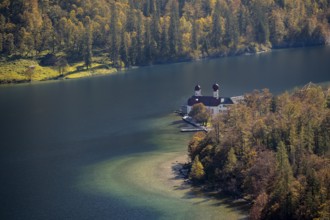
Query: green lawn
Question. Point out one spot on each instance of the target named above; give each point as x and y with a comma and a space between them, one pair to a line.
22, 70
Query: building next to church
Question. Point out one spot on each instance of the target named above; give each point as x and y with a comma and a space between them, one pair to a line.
215, 104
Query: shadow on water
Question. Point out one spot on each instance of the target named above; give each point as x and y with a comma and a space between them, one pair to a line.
214, 197
177, 122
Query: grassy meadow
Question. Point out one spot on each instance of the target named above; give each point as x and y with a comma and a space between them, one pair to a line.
26, 70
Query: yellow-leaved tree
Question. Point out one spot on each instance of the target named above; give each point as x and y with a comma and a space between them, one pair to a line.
197, 170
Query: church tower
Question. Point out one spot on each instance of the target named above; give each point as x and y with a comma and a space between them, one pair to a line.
198, 90
215, 90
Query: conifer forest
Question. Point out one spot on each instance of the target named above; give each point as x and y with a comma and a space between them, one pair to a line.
143, 32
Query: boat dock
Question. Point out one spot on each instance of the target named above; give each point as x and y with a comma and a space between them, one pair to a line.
197, 127
237, 99
191, 129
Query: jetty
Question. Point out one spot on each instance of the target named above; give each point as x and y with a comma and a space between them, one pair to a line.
237, 99
197, 126
191, 129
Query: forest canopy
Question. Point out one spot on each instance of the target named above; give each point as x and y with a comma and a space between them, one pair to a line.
274, 151
141, 32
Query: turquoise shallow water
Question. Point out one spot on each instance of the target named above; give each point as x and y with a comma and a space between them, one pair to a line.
147, 181
98, 148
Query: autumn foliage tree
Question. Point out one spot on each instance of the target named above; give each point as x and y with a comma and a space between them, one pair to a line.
200, 113
131, 32
273, 151
197, 170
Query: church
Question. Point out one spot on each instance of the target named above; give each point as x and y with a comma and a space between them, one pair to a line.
215, 104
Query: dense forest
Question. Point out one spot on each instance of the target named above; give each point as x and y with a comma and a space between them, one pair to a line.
142, 32
272, 151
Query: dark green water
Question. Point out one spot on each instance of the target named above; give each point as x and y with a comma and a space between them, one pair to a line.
85, 149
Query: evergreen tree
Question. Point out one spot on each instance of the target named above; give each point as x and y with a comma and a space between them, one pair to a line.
164, 48
194, 37
282, 185
261, 22
46, 34
147, 43
44, 6
147, 8
281, 3
130, 19
262, 32
216, 26
133, 54
174, 37
155, 29
242, 19
293, 140
114, 40
88, 44
232, 28
9, 46
139, 39
2, 23
1, 42
124, 49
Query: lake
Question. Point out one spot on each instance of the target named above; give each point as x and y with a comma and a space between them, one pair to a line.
93, 148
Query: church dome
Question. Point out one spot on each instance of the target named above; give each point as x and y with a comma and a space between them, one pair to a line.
215, 87
197, 88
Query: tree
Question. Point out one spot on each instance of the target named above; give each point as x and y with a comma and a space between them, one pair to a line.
261, 22
216, 26
197, 170
281, 195
194, 37
159, 31
88, 44
47, 32
2, 23
281, 3
45, 6
155, 29
276, 157
9, 45
140, 38
263, 32
174, 38
1, 42
130, 19
124, 49
62, 64
232, 28
277, 27
231, 161
133, 53
114, 40
199, 113
164, 48
258, 206
147, 43
195, 144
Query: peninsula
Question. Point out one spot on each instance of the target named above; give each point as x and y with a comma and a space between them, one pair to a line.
273, 151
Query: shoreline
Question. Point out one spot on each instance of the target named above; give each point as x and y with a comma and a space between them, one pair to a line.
171, 175
103, 72
153, 181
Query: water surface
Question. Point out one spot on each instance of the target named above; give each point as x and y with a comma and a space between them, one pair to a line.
82, 149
